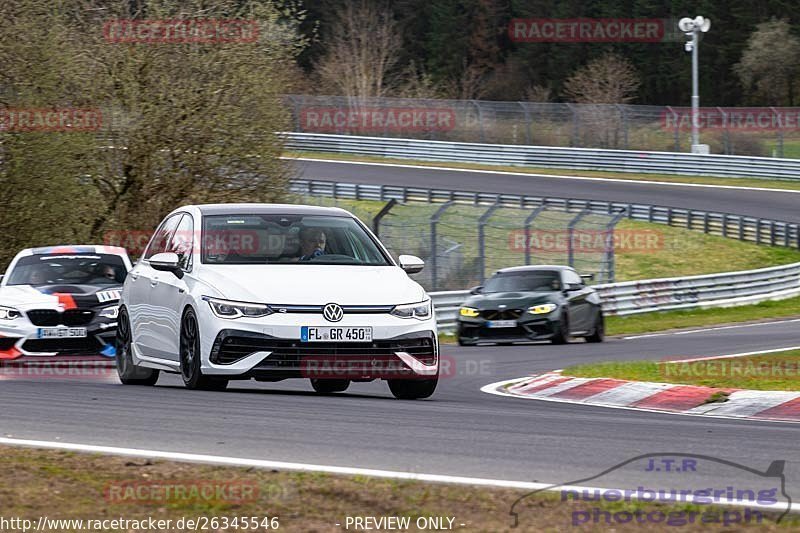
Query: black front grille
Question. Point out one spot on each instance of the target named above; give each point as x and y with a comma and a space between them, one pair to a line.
504, 314
80, 346
51, 317
231, 348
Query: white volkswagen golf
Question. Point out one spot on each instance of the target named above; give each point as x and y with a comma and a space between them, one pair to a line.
270, 292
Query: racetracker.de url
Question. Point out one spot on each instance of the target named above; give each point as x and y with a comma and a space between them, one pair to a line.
199, 523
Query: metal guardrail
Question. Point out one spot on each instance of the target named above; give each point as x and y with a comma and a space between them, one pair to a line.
744, 228
550, 157
634, 297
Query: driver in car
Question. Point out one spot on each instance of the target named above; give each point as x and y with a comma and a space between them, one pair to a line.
312, 243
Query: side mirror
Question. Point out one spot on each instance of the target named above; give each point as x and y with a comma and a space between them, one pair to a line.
476, 290
572, 287
411, 264
167, 262
588, 276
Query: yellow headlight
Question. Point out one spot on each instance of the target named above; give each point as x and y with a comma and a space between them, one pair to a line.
542, 309
469, 312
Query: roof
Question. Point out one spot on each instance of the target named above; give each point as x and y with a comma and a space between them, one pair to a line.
63, 249
270, 209
532, 268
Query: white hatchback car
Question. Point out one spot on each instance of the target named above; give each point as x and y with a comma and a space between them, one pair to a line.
269, 292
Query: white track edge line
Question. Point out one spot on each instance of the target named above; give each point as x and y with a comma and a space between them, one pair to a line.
260, 463
554, 176
734, 355
715, 328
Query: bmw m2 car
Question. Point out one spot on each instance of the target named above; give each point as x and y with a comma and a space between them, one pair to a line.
270, 292
60, 303
531, 303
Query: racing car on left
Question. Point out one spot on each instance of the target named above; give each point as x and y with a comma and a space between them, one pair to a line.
60, 303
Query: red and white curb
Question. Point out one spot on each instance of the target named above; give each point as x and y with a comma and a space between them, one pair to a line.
647, 396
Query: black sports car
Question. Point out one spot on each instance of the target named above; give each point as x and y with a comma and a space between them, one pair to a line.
531, 303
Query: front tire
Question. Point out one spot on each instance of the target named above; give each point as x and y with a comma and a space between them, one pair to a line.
412, 389
561, 336
130, 374
193, 377
328, 386
599, 333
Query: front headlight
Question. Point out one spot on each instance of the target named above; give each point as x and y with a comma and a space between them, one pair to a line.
542, 309
9, 313
469, 312
110, 312
420, 310
231, 309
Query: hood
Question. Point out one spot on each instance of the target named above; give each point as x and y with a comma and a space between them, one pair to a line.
313, 284
58, 296
511, 300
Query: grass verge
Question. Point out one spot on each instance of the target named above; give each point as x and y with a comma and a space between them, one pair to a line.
65, 485
779, 371
668, 178
652, 322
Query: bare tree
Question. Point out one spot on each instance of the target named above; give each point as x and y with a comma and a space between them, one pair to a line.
770, 65
603, 84
609, 79
362, 48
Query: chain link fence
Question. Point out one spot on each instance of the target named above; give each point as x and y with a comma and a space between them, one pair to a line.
767, 132
464, 244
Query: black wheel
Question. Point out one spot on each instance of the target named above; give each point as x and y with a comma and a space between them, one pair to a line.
192, 376
412, 389
130, 374
561, 335
328, 386
599, 332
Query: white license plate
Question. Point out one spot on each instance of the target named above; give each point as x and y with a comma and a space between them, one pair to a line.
335, 334
61, 333
501, 324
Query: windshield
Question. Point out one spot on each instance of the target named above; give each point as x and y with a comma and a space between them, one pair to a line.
72, 269
539, 280
290, 239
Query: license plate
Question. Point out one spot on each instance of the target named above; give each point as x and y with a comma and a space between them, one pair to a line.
61, 333
502, 324
334, 334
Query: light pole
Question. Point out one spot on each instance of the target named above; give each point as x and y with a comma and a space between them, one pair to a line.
693, 28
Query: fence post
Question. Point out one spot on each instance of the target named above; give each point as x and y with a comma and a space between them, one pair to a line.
609, 252
677, 128
528, 223
575, 141
376, 221
477, 105
484, 218
435, 220
528, 123
571, 234
624, 114
726, 137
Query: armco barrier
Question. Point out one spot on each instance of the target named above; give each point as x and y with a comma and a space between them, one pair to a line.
758, 230
543, 156
633, 297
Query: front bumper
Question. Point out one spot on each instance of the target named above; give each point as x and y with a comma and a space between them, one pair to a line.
270, 348
19, 342
529, 328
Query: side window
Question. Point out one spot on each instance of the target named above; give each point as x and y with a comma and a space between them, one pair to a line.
162, 236
572, 279
181, 241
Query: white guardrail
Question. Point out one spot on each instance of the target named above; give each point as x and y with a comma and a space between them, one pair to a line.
632, 297
545, 156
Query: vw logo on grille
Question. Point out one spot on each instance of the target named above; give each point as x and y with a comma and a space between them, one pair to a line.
332, 313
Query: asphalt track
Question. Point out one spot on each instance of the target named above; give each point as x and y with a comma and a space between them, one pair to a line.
459, 431
776, 205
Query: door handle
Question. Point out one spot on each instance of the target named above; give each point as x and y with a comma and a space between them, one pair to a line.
133, 276
153, 282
